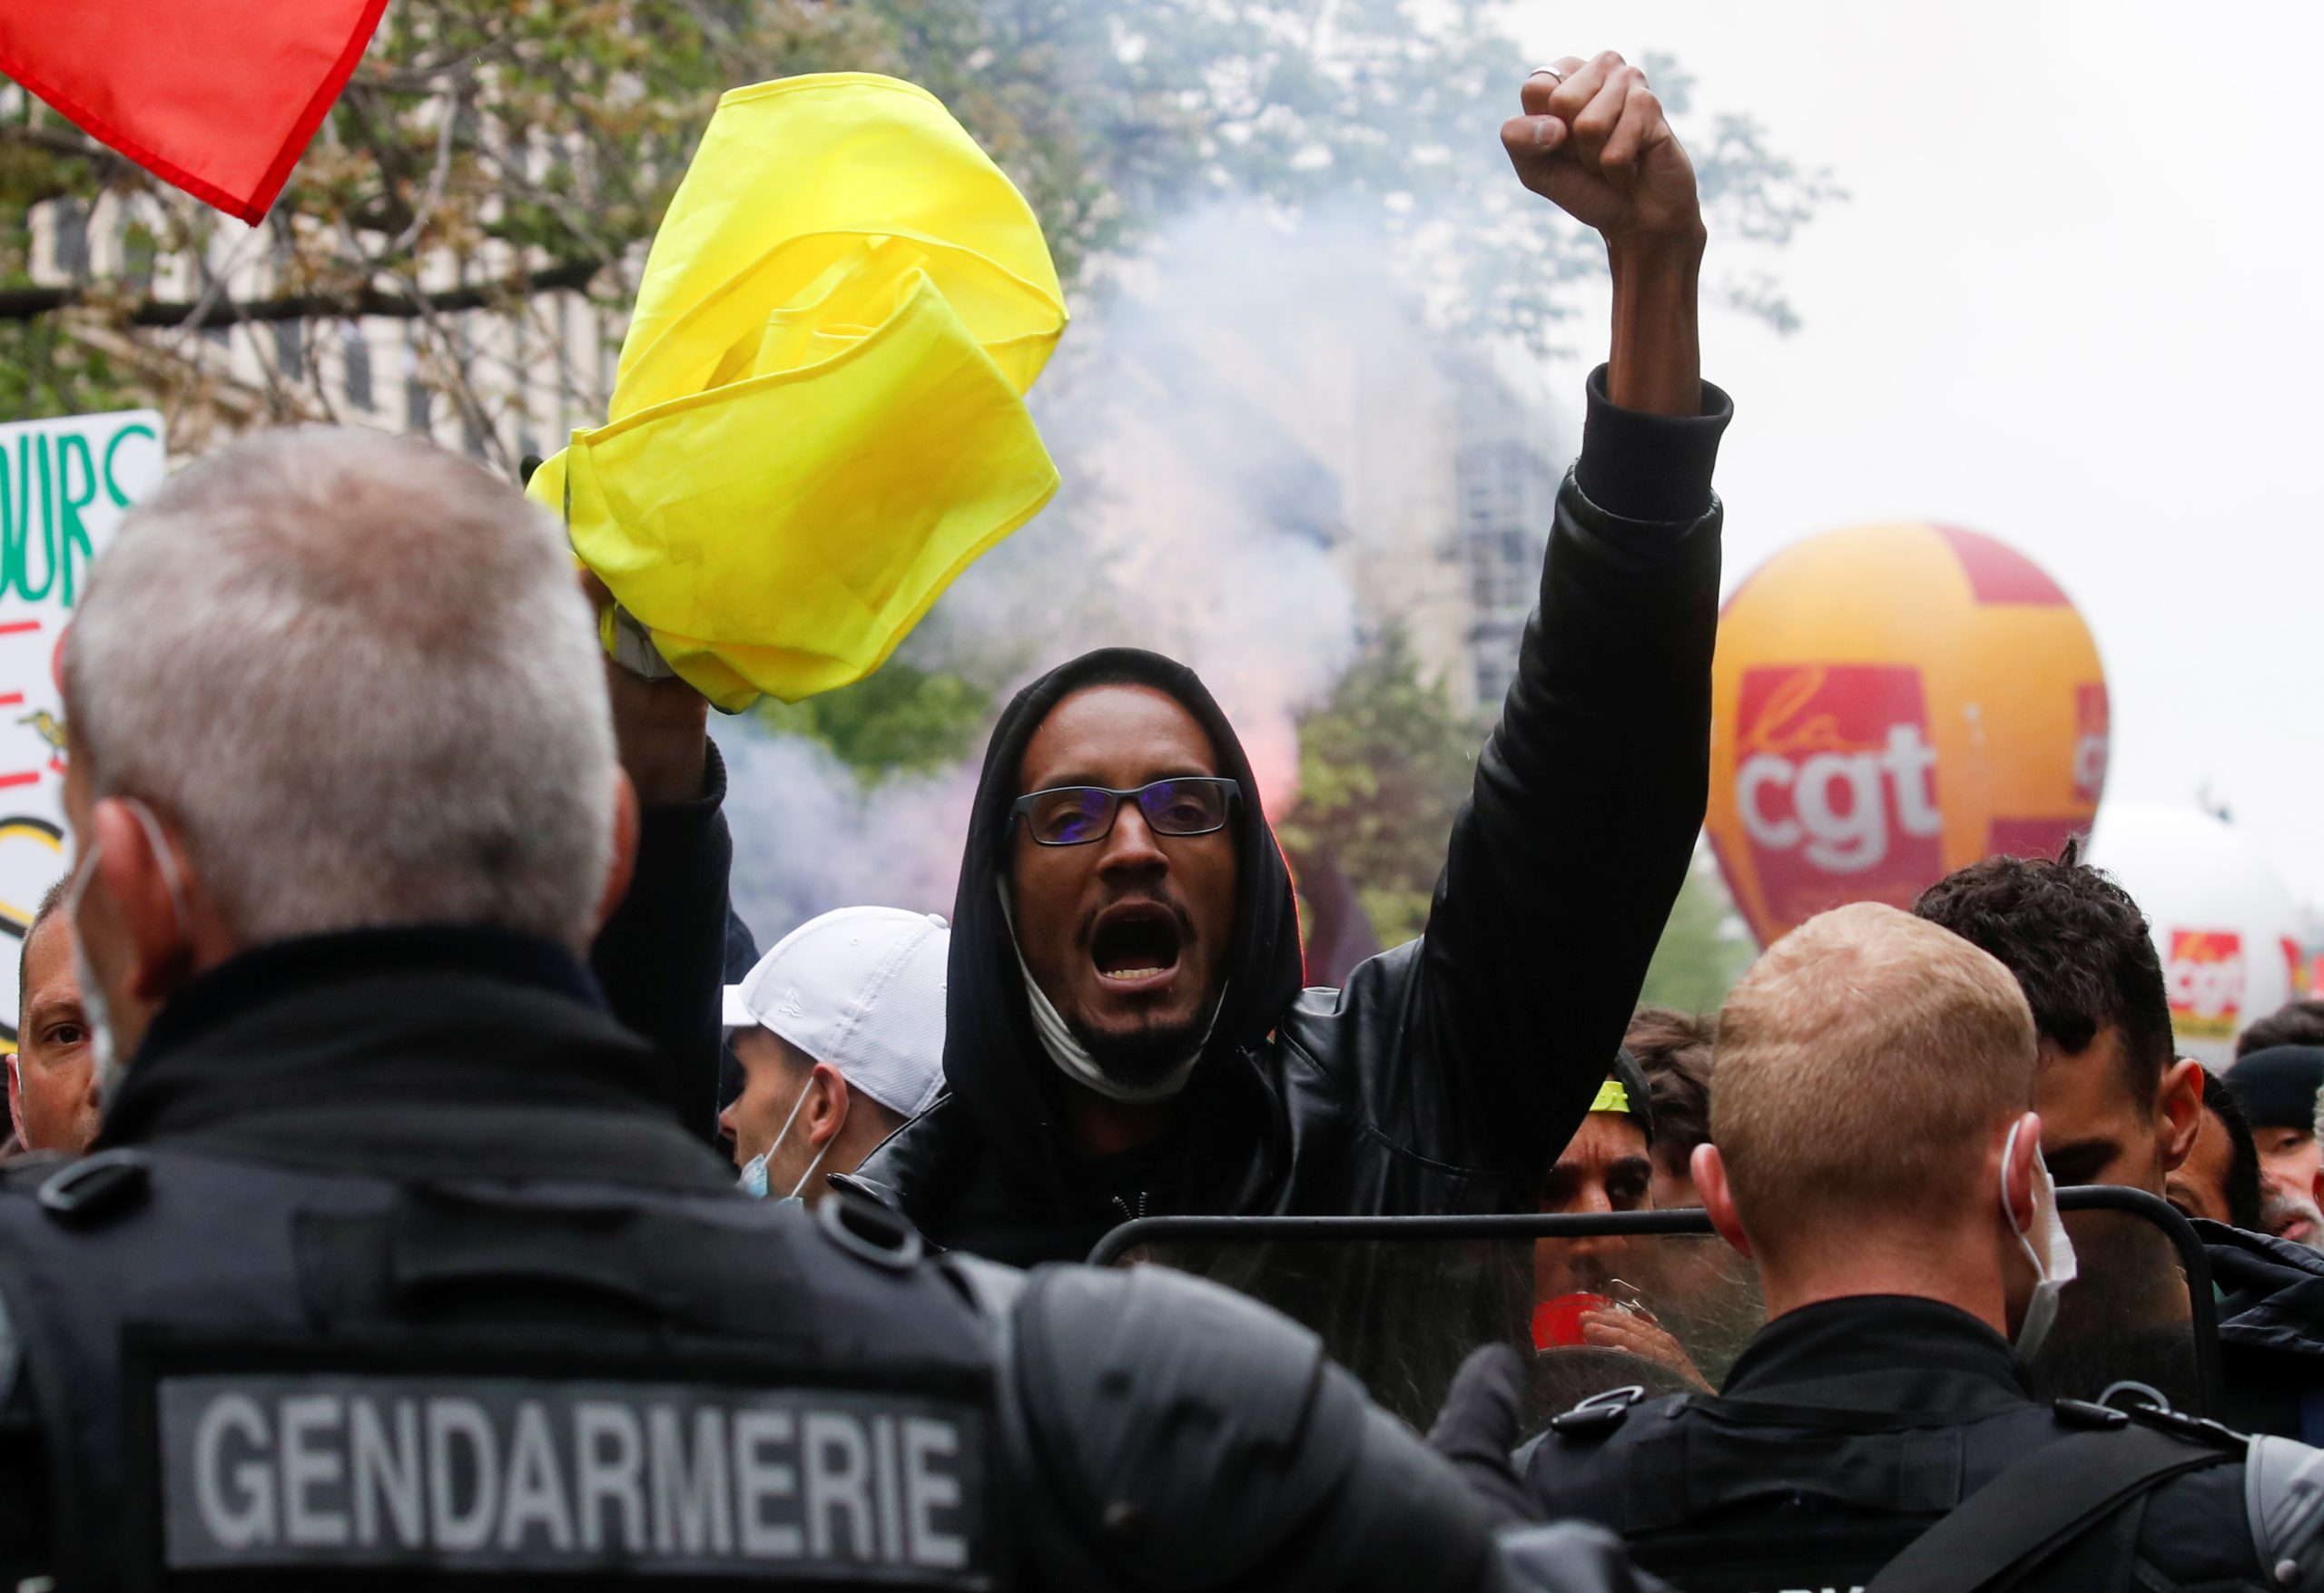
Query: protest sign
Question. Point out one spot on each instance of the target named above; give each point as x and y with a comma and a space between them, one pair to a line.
64, 484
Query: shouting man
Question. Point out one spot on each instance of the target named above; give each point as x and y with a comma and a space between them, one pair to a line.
1127, 1032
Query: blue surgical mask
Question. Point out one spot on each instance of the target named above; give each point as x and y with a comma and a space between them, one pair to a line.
752, 1181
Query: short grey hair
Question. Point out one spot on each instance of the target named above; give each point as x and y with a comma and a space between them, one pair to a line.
357, 676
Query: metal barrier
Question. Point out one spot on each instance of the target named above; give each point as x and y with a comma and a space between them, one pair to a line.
1400, 1300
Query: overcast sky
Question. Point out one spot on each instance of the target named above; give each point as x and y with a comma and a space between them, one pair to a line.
2072, 302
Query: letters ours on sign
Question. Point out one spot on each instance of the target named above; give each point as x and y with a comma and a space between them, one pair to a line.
65, 486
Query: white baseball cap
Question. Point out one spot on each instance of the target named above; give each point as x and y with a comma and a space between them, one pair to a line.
862, 988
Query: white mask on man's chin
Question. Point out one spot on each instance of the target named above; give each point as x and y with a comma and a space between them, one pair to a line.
104, 1059
2045, 1245
1073, 1058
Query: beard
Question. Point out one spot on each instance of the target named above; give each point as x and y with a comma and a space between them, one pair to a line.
1144, 1057
2277, 1209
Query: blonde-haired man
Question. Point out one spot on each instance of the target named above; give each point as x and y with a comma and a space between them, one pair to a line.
1870, 1029
1874, 1152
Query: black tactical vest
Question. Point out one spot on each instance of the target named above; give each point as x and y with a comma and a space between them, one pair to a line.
1734, 1496
260, 1375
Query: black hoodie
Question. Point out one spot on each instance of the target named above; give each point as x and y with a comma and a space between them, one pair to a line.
1448, 1073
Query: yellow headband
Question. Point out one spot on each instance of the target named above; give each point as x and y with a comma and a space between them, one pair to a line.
1612, 1097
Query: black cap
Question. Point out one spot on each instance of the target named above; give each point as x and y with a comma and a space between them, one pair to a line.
2277, 1087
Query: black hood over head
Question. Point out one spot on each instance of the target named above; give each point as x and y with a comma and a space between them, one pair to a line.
993, 1059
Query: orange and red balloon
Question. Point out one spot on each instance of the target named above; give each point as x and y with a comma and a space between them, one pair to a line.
1891, 703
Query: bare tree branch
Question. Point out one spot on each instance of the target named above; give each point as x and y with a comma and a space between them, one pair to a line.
419, 77
25, 303
56, 141
454, 361
456, 106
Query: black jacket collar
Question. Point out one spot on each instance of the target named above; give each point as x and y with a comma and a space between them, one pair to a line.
1922, 1355
351, 1025
268, 974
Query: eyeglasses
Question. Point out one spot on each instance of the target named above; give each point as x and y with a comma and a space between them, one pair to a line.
1074, 815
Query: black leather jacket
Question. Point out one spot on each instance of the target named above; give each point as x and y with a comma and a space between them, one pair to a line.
2271, 1331
1447, 1074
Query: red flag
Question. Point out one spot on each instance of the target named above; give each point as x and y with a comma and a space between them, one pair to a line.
217, 96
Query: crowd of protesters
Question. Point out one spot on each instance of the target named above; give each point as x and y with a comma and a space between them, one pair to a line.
405, 1034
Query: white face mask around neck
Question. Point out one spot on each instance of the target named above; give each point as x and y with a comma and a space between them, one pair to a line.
1073, 1057
2045, 1245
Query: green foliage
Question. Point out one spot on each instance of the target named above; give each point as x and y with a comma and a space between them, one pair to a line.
1383, 765
1703, 948
899, 720
43, 372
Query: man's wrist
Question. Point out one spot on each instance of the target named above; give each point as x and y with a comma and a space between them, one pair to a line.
1680, 244
660, 729
665, 766
1655, 366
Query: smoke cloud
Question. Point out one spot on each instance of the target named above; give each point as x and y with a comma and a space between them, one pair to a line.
809, 838
1238, 422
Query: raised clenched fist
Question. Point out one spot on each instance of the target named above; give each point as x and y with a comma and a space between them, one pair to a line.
1596, 143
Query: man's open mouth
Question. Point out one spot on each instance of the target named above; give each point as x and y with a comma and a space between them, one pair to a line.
1135, 945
